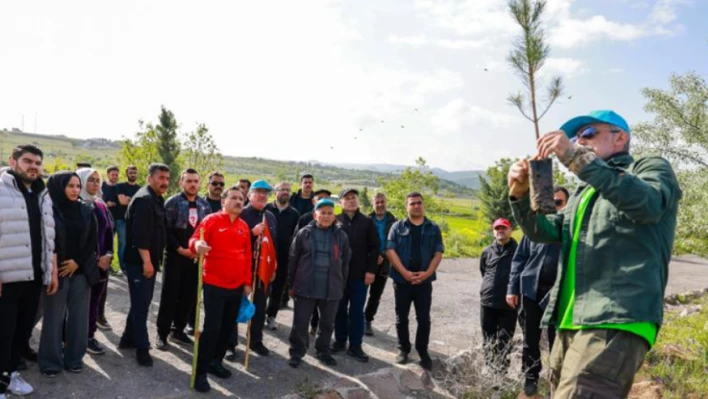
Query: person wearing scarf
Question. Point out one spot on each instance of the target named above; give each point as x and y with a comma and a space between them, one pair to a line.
91, 193
77, 242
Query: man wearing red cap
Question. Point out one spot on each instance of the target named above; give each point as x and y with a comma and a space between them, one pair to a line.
498, 318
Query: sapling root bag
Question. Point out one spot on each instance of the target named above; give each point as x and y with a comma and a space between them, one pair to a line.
541, 186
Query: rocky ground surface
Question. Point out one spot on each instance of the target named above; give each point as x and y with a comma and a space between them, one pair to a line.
455, 319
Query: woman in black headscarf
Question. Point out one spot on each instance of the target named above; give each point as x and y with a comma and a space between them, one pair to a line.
77, 243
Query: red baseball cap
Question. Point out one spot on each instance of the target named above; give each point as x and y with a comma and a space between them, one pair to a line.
501, 222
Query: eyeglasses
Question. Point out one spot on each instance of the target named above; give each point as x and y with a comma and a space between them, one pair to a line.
217, 184
590, 132
559, 202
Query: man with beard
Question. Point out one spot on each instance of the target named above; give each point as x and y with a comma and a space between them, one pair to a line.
287, 218
302, 199
145, 246
253, 216
125, 192
109, 191
214, 190
27, 261
183, 213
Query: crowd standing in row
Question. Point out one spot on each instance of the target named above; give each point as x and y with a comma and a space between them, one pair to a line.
612, 238
57, 242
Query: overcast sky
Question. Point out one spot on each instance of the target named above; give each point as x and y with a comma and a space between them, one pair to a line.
289, 79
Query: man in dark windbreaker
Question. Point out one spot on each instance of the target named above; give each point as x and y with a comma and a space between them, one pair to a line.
498, 318
533, 272
302, 200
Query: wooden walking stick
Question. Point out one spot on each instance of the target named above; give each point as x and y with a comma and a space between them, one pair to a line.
253, 292
197, 329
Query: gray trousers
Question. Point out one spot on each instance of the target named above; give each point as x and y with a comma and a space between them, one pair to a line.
71, 300
299, 337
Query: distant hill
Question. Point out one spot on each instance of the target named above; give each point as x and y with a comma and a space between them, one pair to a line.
102, 152
467, 178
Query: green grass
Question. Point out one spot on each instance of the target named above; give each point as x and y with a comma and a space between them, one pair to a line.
679, 360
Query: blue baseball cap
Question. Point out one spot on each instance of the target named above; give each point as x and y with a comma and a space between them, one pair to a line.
324, 202
601, 116
260, 185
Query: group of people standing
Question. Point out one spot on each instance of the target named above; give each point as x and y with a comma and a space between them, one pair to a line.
57, 250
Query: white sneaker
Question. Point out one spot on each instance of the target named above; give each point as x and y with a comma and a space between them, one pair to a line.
18, 386
270, 323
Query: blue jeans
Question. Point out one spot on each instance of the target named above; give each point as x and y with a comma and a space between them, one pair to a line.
120, 230
349, 322
141, 290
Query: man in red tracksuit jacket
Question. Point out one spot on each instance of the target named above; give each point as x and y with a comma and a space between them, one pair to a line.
227, 277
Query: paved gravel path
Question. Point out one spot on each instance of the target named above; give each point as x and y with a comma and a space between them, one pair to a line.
455, 318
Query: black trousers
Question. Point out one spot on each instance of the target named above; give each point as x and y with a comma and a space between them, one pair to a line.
221, 307
299, 337
530, 321
18, 308
179, 294
375, 292
498, 326
277, 288
257, 322
421, 296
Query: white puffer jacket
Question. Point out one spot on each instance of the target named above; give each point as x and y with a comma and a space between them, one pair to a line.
15, 242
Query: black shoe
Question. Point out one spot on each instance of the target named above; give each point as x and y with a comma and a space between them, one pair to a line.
125, 345
94, 347
294, 362
181, 337
425, 361
368, 331
327, 359
161, 344
338, 347
219, 370
22, 365
75, 369
51, 373
103, 324
402, 357
530, 387
144, 358
260, 349
29, 354
357, 353
190, 330
201, 384
231, 355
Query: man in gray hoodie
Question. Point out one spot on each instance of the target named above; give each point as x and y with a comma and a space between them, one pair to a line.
318, 267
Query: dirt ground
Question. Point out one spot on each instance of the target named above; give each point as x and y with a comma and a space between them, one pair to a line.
455, 326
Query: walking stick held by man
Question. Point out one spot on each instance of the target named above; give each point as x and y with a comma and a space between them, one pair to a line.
197, 329
253, 293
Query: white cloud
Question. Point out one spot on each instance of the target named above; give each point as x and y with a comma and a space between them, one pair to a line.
471, 18
418, 41
460, 117
566, 67
664, 11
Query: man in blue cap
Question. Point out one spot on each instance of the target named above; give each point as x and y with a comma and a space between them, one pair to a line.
616, 235
318, 268
253, 215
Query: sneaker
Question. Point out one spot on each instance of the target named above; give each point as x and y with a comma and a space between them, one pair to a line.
326, 359
426, 361
368, 331
94, 347
181, 337
161, 344
357, 353
231, 356
143, 357
75, 369
218, 369
260, 349
270, 323
51, 373
313, 331
294, 362
201, 384
18, 386
402, 357
339, 347
103, 324
530, 387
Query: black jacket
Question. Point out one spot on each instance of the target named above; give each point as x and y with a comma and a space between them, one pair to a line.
495, 266
178, 225
364, 243
253, 217
302, 205
87, 258
385, 267
533, 269
304, 221
301, 268
287, 222
145, 227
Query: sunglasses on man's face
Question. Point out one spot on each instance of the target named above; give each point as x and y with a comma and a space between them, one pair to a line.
559, 202
589, 132
217, 184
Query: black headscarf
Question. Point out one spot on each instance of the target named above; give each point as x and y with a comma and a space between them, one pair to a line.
56, 184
